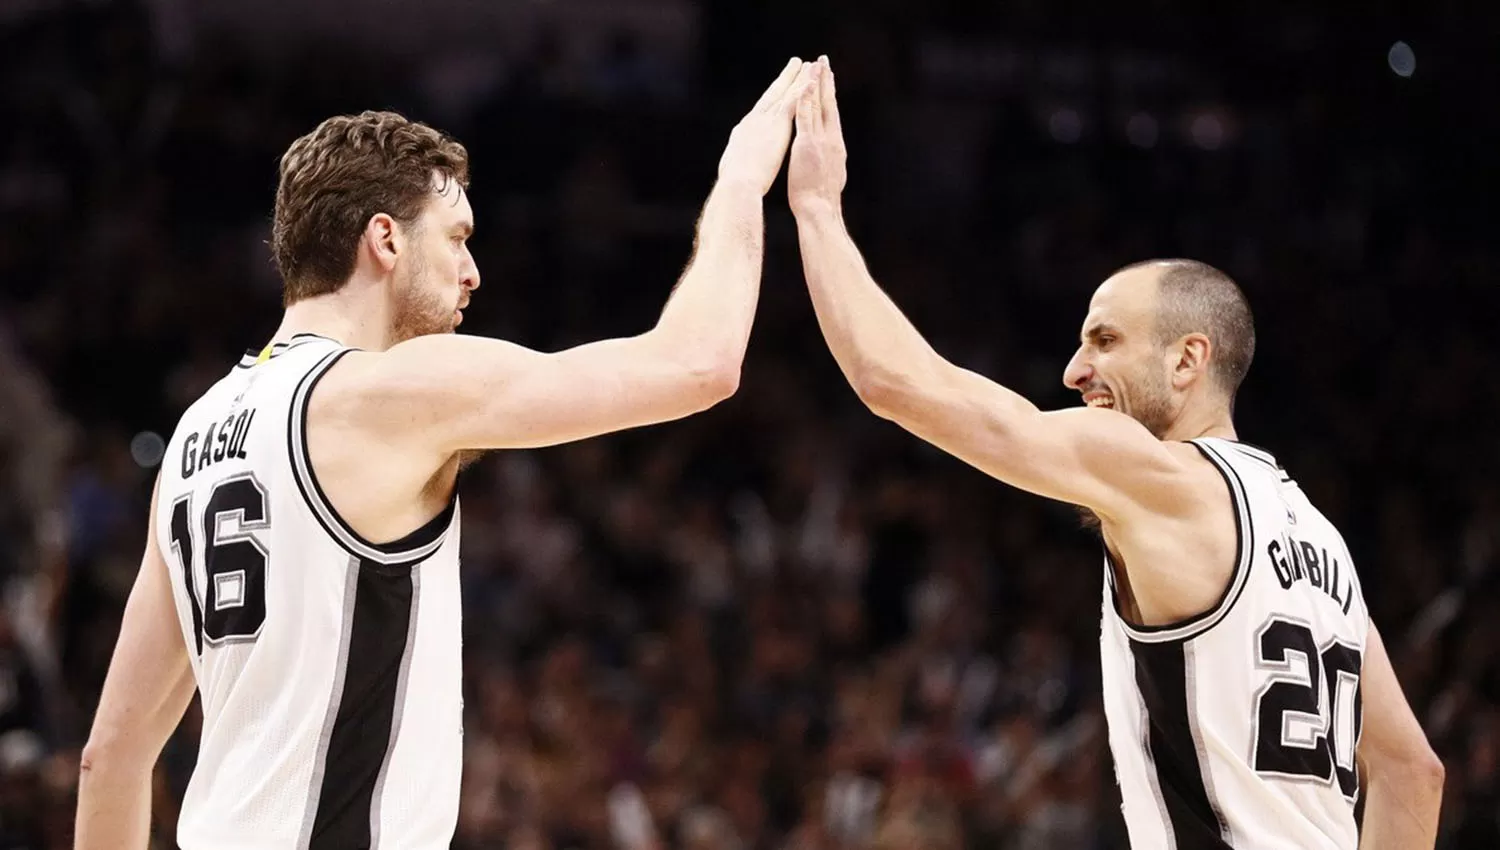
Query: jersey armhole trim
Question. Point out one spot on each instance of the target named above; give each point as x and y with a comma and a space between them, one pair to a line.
414, 547
1244, 555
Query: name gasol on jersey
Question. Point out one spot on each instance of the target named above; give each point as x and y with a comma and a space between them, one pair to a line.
220, 441
1297, 560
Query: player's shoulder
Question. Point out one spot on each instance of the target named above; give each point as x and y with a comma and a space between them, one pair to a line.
258, 379
1233, 458
1186, 484
211, 401
362, 393
425, 369
1232, 449
348, 380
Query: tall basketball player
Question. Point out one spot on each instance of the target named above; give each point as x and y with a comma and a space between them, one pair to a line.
301, 565
1250, 701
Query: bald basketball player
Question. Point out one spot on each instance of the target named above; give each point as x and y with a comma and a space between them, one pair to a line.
1249, 698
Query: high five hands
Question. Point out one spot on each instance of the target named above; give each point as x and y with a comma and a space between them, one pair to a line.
816, 174
757, 145
802, 94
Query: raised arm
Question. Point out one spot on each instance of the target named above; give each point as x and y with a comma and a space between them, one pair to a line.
1402, 775
1098, 458
148, 687
451, 393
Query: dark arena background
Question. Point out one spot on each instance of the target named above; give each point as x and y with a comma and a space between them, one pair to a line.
784, 623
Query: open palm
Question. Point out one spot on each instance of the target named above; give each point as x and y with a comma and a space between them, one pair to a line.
817, 173
757, 145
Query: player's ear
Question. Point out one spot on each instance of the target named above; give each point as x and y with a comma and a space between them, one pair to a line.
384, 240
1190, 359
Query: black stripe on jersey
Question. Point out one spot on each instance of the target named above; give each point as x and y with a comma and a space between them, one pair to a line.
1244, 533
330, 715
414, 547
1160, 675
362, 733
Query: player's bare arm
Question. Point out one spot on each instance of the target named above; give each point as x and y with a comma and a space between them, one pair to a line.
1403, 777
148, 687
439, 394
1096, 458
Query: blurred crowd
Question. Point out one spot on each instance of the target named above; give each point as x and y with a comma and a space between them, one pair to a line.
783, 624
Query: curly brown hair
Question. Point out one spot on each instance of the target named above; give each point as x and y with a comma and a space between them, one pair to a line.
336, 177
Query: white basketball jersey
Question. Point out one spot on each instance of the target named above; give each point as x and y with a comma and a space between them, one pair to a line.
328, 666
1237, 728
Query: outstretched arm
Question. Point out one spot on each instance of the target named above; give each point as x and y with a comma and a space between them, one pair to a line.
148, 687
446, 393
1098, 458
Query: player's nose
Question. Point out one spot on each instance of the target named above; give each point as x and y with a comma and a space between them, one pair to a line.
1078, 372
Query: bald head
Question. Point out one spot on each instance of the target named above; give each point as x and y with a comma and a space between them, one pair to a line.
1186, 296
1194, 297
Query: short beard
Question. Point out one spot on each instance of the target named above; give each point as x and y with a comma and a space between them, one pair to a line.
1151, 405
1157, 419
418, 312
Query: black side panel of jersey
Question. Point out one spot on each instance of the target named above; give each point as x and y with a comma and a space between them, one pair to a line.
1161, 676
361, 736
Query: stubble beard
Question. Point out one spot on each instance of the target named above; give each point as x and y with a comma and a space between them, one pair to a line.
1152, 407
419, 311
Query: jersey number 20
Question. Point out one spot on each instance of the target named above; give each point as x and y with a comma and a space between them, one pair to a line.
233, 605
1308, 716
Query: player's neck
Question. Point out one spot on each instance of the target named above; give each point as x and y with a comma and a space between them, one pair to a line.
344, 316
1202, 423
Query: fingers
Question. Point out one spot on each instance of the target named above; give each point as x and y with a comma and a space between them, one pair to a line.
827, 96
781, 84
807, 106
800, 82
806, 82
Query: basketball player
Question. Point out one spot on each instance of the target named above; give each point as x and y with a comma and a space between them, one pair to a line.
1250, 701
301, 565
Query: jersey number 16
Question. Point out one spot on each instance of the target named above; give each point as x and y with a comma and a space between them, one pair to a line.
233, 604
